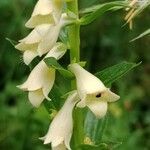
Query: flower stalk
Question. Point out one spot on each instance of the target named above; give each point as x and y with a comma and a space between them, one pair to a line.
74, 34
74, 40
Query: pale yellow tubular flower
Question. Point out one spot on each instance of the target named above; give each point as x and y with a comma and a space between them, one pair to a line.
42, 14
57, 9
29, 44
41, 40
61, 128
92, 91
51, 36
41, 79
46, 12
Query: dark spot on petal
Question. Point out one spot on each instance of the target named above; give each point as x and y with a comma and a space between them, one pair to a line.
98, 95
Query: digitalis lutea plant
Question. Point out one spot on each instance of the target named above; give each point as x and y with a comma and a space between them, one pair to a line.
47, 20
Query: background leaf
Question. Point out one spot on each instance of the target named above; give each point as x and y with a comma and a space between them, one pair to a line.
111, 74
96, 11
147, 32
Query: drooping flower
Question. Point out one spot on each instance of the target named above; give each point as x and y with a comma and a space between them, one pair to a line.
41, 79
40, 40
45, 12
92, 91
61, 128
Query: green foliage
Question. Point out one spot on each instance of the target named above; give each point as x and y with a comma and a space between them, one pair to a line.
96, 11
52, 62
111, 74
147, 32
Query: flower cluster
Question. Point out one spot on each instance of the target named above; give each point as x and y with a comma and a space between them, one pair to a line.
47, 20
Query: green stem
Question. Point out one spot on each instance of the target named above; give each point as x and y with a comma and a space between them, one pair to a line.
74, 34
74, 40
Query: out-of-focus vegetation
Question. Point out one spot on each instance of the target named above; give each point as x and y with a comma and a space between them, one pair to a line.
103, 43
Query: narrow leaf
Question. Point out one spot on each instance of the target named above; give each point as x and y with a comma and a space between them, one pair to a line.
96, 11
142, 6
147, 32
111, 74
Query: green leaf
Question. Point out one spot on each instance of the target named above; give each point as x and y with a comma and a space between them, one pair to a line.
96, 11
52, 62
147, 32
111, 74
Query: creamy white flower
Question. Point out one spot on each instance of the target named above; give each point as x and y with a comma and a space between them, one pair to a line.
61, 128
45, 12
92, 91
41, 79
41, 40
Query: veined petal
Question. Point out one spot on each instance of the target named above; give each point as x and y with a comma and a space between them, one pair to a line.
61, 127
92, 91
23, 46
58, 51
109, 96
49, 40
36, 97
67, 141
57, 9
28, 56
42, 14
40, 76
36, 35
99, 108
42, 7
39, 83
86, 82
39, 20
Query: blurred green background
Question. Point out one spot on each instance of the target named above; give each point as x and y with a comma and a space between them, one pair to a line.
103, 43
